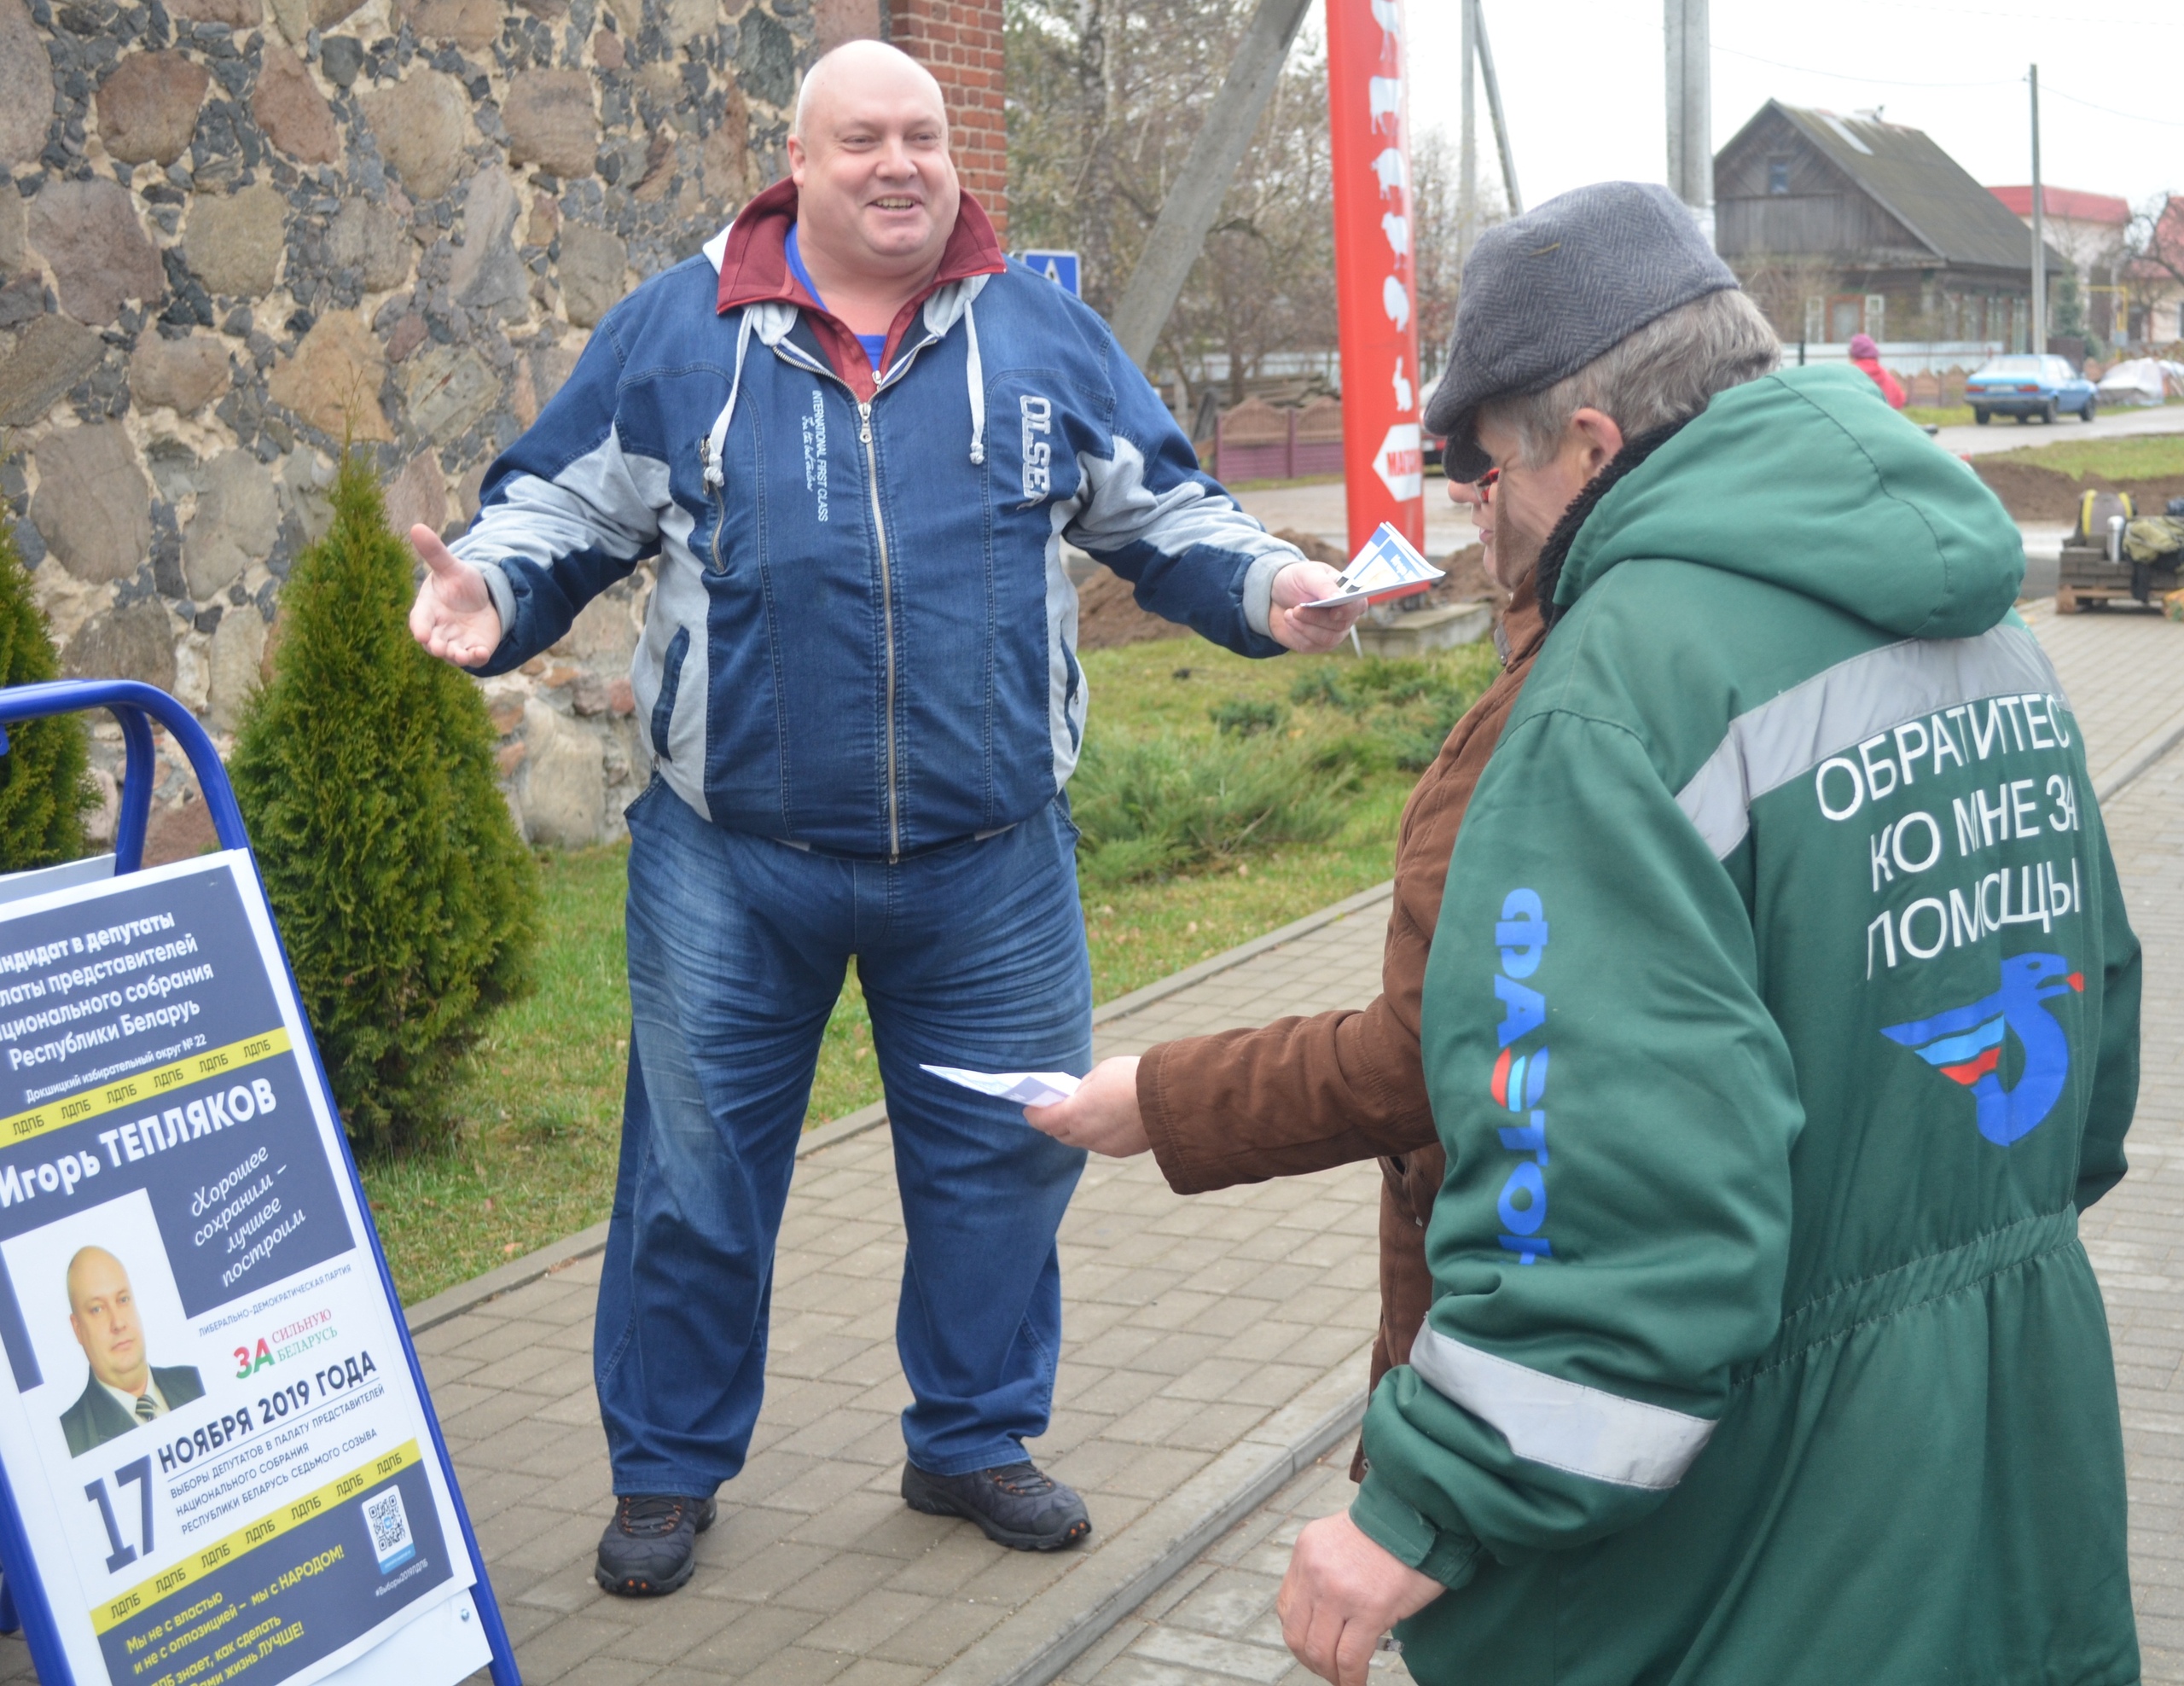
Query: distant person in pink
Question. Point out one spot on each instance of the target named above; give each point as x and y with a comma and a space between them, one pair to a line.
1866, 356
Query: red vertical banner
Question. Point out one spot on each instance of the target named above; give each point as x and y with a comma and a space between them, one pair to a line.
1376, 278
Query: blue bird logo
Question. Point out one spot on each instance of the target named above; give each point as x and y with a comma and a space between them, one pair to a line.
1965, 1044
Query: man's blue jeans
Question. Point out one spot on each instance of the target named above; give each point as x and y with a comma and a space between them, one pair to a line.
972, 955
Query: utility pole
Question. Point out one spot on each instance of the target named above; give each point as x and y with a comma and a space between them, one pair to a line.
1494, 108
1186, 217
2039, 334
1468, 147
1690, 109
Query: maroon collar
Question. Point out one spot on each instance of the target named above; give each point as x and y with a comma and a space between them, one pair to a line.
754, 269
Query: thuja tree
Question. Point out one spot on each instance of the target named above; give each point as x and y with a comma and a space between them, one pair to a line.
44, 786
365, 772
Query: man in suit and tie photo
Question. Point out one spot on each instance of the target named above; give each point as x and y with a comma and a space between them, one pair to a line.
124, 1390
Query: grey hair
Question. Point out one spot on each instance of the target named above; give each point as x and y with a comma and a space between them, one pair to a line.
1664, 372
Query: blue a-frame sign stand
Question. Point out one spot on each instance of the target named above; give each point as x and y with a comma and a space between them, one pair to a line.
23, 1600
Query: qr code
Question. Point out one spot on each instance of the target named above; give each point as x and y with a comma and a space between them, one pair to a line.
390, 1528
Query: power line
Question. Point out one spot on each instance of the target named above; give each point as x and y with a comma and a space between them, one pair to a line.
1885, 82
1870, 81
2018, 17
2129, 116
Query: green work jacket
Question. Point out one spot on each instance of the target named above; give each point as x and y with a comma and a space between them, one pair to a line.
1781, 1019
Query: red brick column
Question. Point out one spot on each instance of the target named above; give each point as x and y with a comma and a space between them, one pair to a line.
960, 41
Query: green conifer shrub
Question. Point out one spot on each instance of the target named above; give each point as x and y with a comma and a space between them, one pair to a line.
1170, 803
45, 784
365, 772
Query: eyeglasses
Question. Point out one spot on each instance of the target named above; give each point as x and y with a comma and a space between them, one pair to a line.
1486, 485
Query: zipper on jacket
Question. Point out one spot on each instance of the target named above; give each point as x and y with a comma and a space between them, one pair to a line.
797, 358
706, 466
886, 619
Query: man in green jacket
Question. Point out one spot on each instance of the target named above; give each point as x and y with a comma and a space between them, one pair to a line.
1781, 1018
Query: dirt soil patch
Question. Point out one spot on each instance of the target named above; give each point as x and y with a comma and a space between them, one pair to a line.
1108, 617
2032, 493
1466, 582
1318, 549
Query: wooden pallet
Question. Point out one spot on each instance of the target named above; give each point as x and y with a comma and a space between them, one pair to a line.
2087, 579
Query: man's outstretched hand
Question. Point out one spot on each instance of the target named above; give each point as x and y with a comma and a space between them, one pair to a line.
1309, 630
1102, 1116
454, 617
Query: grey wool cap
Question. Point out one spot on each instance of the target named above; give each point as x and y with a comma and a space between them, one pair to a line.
1546, 293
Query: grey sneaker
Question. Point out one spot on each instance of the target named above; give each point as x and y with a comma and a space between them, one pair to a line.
650, 1548
1014, 1503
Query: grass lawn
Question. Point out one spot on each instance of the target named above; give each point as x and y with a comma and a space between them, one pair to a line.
539, 1100
1945, 415
2142, 456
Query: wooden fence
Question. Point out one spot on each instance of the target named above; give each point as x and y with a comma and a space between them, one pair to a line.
1256, 441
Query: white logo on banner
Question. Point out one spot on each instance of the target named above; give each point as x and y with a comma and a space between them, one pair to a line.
1385, 14
1385, 94
1403, 394
1395, 298
1388, 167
1401, 463
1398, 229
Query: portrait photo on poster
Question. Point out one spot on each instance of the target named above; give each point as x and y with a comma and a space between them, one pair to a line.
104, 1322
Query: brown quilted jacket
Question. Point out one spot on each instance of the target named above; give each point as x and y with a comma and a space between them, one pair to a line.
1302, 1095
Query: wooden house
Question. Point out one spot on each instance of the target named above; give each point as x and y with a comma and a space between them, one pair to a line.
1842, 225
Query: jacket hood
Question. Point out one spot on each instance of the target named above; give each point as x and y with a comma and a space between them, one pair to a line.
1806, 479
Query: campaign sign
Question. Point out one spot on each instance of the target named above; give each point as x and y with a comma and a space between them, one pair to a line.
1059, 267
1375, 269
208, 1423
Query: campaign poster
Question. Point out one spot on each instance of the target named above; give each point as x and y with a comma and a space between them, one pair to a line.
207, 1421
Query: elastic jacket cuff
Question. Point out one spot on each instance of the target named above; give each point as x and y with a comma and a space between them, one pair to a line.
503, 593
1391, 1524
1258, 588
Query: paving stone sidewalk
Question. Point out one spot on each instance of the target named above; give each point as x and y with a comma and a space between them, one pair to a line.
1215, 1622
2137, 1235
2125, 674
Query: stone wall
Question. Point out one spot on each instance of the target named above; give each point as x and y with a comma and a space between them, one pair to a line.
234, 232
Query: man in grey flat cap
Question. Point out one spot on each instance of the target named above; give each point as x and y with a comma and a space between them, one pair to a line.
1773, 1051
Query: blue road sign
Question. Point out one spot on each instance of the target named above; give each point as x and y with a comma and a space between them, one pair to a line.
1059, 267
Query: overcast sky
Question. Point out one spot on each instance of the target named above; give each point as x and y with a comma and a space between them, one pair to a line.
1581, 80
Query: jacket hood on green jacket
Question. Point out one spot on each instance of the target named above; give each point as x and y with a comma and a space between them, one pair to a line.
1807, 480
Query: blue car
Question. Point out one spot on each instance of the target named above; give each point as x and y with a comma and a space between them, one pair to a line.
2028, 385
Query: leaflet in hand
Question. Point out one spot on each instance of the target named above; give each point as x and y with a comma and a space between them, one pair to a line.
1029, 1088
1388, 566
